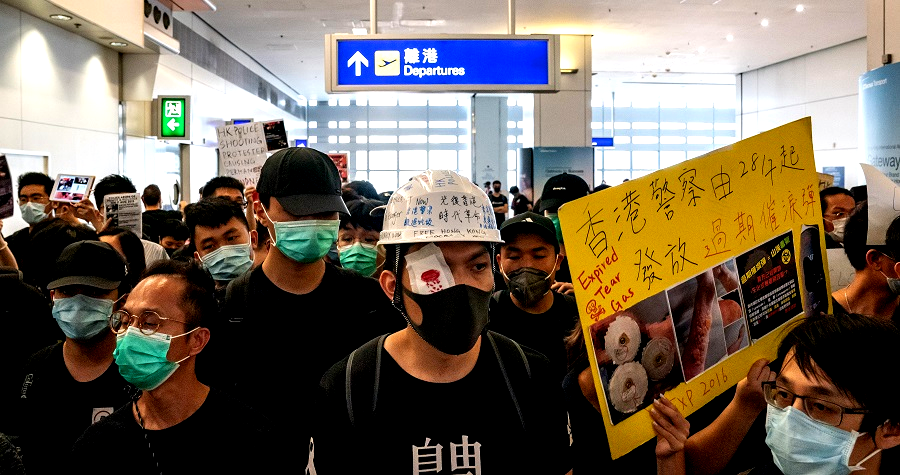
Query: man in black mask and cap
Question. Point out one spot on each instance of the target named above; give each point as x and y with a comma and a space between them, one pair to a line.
464, 398
530, 312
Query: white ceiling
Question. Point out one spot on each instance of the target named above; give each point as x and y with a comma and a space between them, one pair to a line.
632, 36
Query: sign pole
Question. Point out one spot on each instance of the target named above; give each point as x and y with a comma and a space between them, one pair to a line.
511, 25
373, 17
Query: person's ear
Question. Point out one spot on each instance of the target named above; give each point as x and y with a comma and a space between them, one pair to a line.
872, 259
198, 340
499, 267
197, 256
254, 238
887, 435
388, 282
559, 258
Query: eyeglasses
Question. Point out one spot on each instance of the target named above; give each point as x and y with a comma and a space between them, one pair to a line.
242, 202
147, 322
820, 410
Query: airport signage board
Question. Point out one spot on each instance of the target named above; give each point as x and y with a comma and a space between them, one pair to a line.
442, 63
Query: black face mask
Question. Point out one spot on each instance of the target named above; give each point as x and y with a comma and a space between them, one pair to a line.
497, 190
453, 318
528, 285
170, 251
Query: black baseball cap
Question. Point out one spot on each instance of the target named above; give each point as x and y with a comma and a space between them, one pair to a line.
91, 263
304, 180
561, 189
529, 222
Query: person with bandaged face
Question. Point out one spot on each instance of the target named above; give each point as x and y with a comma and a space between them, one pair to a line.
444, 391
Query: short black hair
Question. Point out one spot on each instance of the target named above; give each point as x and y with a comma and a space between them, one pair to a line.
363, 189
35, 178
364, 213
152, 195
833, 191
212, 213
514, 189
855, 234
110, 185
822, 346
199, 293
209, 189
134, 254
496, 182
175, 229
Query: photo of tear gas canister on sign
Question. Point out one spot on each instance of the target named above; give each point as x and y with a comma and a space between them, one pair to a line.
669, 338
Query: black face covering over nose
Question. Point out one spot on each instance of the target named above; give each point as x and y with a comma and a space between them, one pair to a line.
453, 318
528, 285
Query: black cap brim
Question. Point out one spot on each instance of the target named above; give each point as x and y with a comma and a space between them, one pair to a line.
305, 205
90, 281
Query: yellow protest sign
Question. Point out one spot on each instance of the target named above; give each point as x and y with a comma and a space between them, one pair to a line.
685, 277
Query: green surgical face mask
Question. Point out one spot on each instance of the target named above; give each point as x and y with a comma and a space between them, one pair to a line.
555, 218
142, 358
306, 241
359, 257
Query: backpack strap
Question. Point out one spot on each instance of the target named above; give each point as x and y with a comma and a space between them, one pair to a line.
363, 371
509, 352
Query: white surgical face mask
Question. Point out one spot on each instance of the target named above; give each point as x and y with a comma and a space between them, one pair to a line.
838, 233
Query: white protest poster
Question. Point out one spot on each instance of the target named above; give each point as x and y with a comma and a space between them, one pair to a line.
884, 203
242, 151
124, 210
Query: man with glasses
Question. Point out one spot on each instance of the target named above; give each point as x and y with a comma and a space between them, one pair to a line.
177, 424
837, 203
70, 385
827, 410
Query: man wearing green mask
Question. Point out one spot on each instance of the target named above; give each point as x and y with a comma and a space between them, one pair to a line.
222, 238
296, 293
87, 285
358, 236
177, 424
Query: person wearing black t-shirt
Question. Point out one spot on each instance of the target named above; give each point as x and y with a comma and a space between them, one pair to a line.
530, 312
500, 203
286, 322
68, 386
443, 394
177, 424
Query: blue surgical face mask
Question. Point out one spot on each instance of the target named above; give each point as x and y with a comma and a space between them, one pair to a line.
359, 257
33, 212
803, 446
81, 317
228, 262
142, 358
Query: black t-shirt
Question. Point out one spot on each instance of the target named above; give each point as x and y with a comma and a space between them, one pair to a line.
542, 332
520, 204
19, 244
152, 222
496, 202
222, 436
271, 347
53, 409
472, 423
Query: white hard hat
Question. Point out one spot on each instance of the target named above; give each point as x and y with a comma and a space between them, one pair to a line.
439, 205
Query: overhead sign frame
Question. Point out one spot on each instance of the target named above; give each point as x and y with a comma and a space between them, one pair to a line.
332, 66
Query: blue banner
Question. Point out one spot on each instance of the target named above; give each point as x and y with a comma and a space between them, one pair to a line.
430, 62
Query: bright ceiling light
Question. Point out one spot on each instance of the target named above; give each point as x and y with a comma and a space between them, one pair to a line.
729, 37
701, 49
800, 8
764, 22
60, 17
118, 44
360, 31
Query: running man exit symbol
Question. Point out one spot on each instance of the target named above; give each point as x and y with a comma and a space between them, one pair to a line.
387, 63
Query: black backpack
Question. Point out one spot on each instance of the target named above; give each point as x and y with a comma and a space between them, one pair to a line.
364, 374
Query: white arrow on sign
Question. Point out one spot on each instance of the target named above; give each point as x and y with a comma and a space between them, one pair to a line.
172, 125
356, 59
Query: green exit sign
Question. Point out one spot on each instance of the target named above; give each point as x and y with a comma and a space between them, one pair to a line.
174, 117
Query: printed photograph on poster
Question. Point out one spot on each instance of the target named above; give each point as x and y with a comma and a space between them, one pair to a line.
698, 323
7, 204
815, 285
769, 284
276, 136
636, 354
340, 161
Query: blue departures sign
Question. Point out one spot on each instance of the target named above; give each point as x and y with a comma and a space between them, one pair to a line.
443, 63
